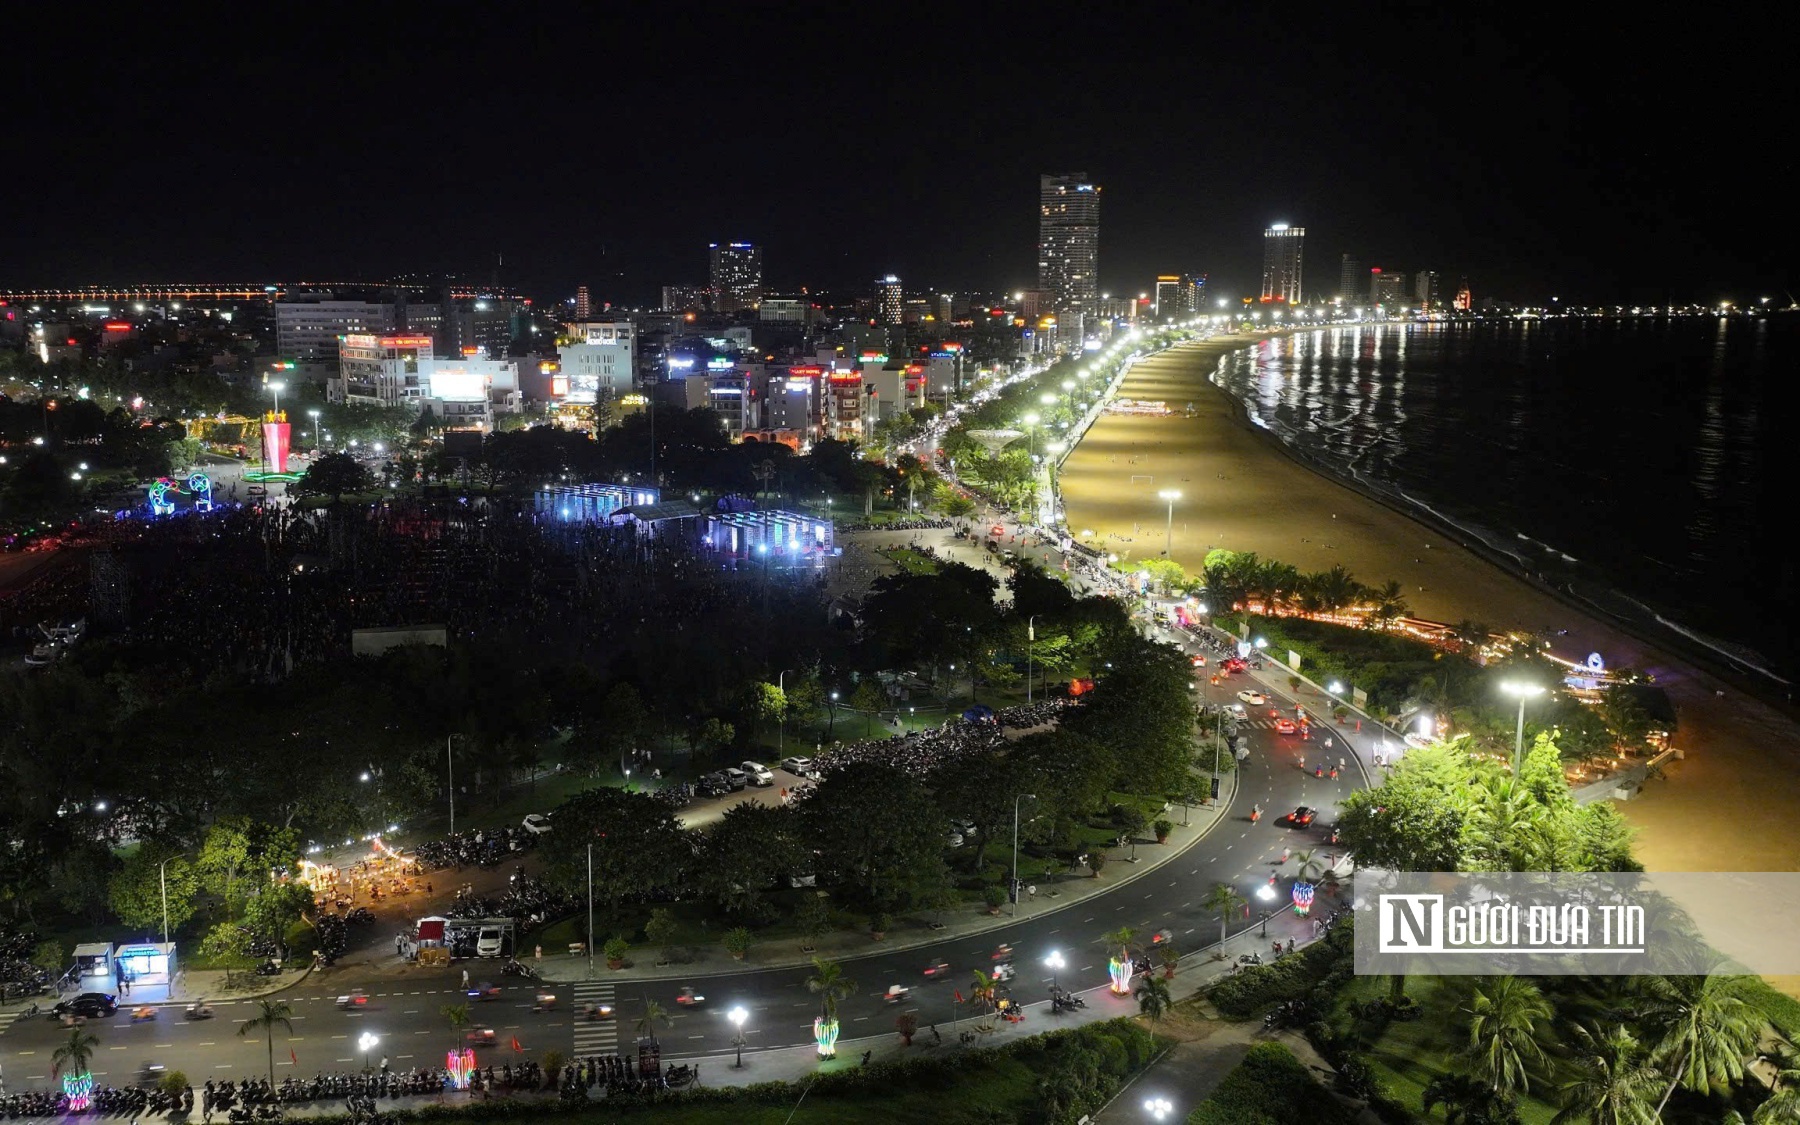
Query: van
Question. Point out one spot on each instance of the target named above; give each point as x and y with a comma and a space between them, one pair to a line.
757, 773
487, 943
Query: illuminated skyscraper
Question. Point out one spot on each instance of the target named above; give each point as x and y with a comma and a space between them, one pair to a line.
1425, 287
1069, 241
1351, 279
737, 276
1281, 263
890, 301
583, 305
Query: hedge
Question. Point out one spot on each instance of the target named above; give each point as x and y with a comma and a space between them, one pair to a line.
1270, 1087
1321, 967
1112, 1051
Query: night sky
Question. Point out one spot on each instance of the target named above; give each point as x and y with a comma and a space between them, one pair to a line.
1536, 159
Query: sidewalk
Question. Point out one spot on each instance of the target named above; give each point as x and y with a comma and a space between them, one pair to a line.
914, 930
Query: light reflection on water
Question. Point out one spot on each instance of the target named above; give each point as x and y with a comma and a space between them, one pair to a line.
1647, 449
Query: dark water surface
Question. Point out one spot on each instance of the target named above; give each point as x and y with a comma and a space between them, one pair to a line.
1650, 467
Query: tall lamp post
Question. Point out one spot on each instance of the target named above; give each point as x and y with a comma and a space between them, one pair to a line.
1015, 861
1030, 639
367, 1041
1171, 495
1523, 691
1054, 962
738, 1016
314, 415
781, 720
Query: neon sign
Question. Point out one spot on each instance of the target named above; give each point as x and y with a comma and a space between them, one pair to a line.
199, 487
825, 1034
460, 1066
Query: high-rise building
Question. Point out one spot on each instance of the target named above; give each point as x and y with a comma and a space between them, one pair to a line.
1351, 279
737, 276
1281, 263
890, 301
599, 362
683, 298
1387, 287
1465, 300
307, 327
1069, 241
1425, 287
1170, 296
379, 369
582, 305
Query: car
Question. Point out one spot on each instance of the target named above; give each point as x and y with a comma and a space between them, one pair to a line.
256, 490
1253, 698
1301, 817
799, 767
1285, 726
1237, 710
735, 779
953, 839
714, 784
90, 1004
758, 774
479, 1037
966, 827
538, 824
938, 969
1199, 661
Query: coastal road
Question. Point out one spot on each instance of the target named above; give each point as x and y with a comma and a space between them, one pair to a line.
414, 1033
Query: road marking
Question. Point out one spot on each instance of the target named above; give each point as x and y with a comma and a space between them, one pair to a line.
403, 1056
223, 1066
1089, 918
421, 1033
412, 1012
115, 1048
209, 1044
1085, 968
696, 1037
340, 1037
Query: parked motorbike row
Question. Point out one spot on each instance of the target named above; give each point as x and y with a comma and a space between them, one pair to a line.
526, 899
615, 1074
105, 1101
1062, 1000
472, 849
1290, 1013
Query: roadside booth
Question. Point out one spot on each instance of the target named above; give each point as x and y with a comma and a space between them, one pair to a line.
93, 959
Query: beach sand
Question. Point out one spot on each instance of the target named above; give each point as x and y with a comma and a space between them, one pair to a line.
1729, 806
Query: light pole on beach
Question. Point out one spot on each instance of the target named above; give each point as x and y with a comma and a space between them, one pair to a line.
1171, 495
1523, 691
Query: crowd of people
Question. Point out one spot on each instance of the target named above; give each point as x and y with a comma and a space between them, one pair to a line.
922, 752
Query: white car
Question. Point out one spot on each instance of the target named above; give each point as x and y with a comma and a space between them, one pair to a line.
757, 773
538, 824
1253, 698
799, 767
1237, 709
953, 840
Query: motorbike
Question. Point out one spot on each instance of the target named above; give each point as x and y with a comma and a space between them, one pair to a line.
484, 991
198, 1010
544, 1002
140, 1015
597, 1012
938, 969
896, 993
353, 1000
689, 998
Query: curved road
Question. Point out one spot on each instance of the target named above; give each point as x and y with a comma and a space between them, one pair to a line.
413, 1032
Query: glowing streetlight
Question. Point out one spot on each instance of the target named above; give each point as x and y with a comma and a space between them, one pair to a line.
366, 1041
738, 1015
1523, 691
1054, 962
1171, 495
1158, 1108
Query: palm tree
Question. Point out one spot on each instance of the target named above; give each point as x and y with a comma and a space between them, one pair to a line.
1502, 1019
1468, 1102
1153, 997
1224, 901
269, 1015
653, 1015
458, 1015
1120, 937
1783, 1105
1702, 1033
830, 985
1308, 865
1612, 1084
74, 1054
1390, 605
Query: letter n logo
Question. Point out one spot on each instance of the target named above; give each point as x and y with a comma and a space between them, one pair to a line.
1412, 923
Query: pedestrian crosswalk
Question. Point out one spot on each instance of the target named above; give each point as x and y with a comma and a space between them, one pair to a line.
594, 1036
6, 1020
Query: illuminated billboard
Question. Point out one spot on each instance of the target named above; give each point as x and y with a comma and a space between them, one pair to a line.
454, 383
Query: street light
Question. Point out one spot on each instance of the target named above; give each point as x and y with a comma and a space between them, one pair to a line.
314, 413
450, 777
367, 1041
1158, 1108
1524, 691
277, 387
1030, 639
738, 1016
1015, 863
1171, 495
781, 720
831, 726
1054, 962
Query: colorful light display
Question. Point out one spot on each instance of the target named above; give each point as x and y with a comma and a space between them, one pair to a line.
1303, 899
198, 486
825, 1034
275, 440
460, 1066
1120, 972
79, 1089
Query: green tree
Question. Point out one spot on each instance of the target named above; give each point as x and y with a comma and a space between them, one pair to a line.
715, 735
869, 699
637, 845
270, 1014
1153, 997
830, 985
1468, 1102
225, 858
1699, 1031
1610, 1082
660, 931
50, 956
750, 849
763, 703
1226, 902
227, 946
653, 1015
135, 891
877, 832
273, 911
74, 1054
457, 1015
811, 916
333, 475
1503, 1017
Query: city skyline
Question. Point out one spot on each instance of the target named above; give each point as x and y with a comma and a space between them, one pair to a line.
1589, 194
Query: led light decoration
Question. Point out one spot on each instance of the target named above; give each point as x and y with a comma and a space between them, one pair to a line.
461, 1066
1303, 899
825, 1034
79, 1089
198, 487
1120, 972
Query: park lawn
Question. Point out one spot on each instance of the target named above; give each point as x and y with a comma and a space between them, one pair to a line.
1409, 1054
910, 561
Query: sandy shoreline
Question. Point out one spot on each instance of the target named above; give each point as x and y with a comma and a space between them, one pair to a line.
1727, 807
